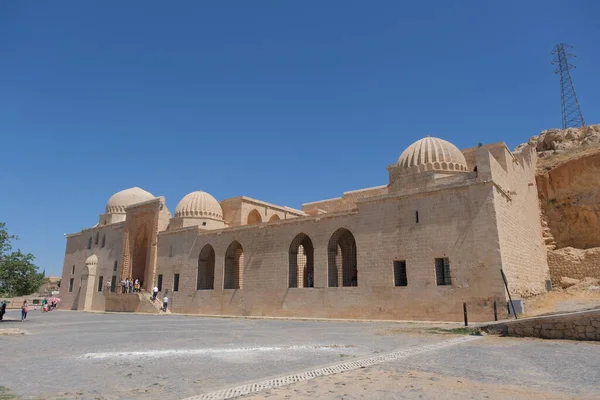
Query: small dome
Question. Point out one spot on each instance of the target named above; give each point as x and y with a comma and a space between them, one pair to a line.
432, 154
92, 260
199, 204
125, 198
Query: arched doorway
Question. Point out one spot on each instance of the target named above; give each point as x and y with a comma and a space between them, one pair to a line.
254, 217
234, 266
206, 268
140, 254
301, 266
342, 264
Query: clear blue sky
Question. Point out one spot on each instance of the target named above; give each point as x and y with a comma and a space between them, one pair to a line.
288, 102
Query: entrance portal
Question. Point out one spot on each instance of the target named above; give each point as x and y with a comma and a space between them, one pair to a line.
140, 254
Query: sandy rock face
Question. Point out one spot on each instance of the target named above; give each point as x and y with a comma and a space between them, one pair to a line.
568, 181
570, 198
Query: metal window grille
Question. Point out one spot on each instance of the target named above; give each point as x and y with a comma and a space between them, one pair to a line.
100, 282
442, 271
400, 278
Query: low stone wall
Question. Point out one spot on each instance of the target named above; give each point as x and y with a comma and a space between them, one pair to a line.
134, 302
574, 263
122, 302
583, 325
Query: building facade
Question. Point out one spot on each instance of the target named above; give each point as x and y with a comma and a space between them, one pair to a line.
433, 239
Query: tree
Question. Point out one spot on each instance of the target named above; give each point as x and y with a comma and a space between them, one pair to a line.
18, 274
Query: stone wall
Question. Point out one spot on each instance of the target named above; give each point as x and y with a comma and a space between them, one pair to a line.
518, 217
584, 325
346, 202
574, 263
108, 251
457, 223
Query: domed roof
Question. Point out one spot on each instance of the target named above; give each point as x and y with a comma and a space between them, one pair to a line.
432, 153
199, 204
125, 198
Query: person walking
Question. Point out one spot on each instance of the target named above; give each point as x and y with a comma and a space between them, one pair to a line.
108, 285
154, 293
2, 310
165, 303
24, 310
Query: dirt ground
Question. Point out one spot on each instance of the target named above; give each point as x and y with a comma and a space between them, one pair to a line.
382, 383
584, 295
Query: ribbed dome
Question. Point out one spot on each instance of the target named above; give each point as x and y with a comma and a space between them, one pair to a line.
92, 260
199, 204
125, 198
433, 154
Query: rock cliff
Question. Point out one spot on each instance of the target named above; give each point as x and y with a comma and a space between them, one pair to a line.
568, 180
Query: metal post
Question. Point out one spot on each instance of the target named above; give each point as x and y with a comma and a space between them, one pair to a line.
509, 296
465, 313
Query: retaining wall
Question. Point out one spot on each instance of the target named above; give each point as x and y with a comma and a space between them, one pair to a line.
583, 325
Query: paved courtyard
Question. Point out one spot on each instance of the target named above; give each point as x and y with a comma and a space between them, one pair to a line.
68, 355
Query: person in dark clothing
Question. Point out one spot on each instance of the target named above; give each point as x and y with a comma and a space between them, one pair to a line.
2, 310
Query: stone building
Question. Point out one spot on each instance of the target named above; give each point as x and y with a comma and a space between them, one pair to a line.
435, 237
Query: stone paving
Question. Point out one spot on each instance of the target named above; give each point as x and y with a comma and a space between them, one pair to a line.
69, 355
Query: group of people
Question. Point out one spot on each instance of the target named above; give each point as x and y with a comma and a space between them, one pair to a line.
131, 286
46, 306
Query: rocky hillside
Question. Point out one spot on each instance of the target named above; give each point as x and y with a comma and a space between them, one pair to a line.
568, 180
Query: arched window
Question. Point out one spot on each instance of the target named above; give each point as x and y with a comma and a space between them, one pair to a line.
89, 243
73, 270
103, 240
234, 266
97, 238
342, 264
254, 217
274, 218
301, 268
206, 269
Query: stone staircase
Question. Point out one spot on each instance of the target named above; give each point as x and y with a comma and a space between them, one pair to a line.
547, 234
147, 305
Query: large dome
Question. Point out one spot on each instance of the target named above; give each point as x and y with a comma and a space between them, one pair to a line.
125, 198
199, 204
432, 154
